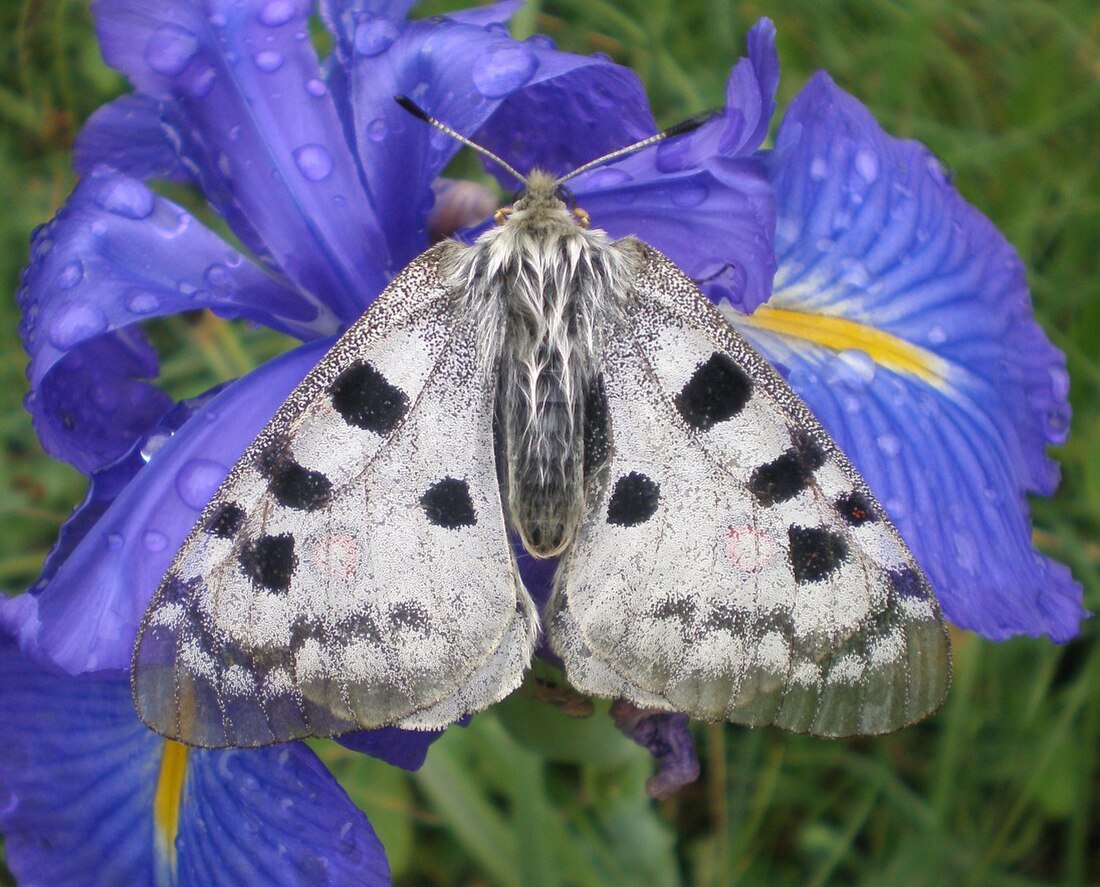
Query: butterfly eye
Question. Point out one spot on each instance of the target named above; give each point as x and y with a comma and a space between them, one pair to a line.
566, 196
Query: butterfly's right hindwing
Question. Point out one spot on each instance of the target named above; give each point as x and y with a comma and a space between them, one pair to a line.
353, 570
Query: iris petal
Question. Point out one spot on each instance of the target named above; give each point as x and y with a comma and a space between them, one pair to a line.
127, 135
79, 777
468, 76
260, 133
118, 254
88, 612
903, 318
401, 748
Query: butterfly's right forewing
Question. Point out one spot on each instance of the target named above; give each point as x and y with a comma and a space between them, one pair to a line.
353, 570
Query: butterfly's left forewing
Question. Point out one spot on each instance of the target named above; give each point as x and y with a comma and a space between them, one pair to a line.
732, 564
353, 570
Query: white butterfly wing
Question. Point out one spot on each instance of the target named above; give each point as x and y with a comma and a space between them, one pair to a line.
353, 570
732, 563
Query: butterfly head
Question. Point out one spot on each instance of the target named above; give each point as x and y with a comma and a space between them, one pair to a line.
543, 200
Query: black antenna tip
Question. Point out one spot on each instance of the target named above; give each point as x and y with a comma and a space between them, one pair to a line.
689, 124
412, 107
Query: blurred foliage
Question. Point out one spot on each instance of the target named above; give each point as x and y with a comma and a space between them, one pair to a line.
1000, 788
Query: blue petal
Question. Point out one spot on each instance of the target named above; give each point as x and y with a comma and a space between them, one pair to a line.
115, 255
78, 772
699, 198
401, 748
480, 82
273, 816
127, 134
88, 612
79, 775
716, 222
937, 380
259, 131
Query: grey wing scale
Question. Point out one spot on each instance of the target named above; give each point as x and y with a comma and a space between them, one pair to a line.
353, 570
732, 563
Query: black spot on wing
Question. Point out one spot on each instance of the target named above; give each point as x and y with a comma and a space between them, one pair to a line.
718, 390
597, 440
269, 561
809, 450
297, 487
447, 504
366, 400
816, 552
779, 480
409, 616
856, 509
633, 501
225, 520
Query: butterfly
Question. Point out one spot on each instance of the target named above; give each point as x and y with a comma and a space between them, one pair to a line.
719, 555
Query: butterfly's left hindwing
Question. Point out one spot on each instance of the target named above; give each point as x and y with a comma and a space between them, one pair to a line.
353, 570
732, 564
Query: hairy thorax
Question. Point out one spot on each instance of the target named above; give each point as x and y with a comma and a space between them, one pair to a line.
542, 290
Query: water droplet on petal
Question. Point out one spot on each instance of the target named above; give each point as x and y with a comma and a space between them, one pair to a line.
316, 87
128, 198
376, 129
200, 84
937, 335
856, 273
153, 444
277, 12
314, 162
818, 169
689, 195
540, 41
217, 276
197, 480
966, 551
608, 177
867, 165
852, 368
217, 19
75, 324
70, 275
375, 35
141, 302
889, 444
170, 50
115, 541
268, 60
153, 540
504, 69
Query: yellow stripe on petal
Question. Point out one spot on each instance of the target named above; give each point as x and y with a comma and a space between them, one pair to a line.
840, 334
166, 803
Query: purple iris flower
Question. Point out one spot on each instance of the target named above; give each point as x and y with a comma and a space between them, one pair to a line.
898, 312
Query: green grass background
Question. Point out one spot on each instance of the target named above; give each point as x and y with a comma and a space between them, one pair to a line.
1001, 787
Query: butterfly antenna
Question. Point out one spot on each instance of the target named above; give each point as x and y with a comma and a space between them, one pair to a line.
413, 108
679, 129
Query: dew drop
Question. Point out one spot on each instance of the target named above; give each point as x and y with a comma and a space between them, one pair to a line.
787, 229
375, 35
202, 82
937, 335
608, 177
128, 198
856, 273
314, 162
70, 275
376, 129
153, 445
316, 87
115, 541
689, 195
153, 540
541, 41
818, 169
75, 324
170, 50
268, 60
889, 444
852, 368
867, 165
277, 12
141, 302
505, 69
197, 480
